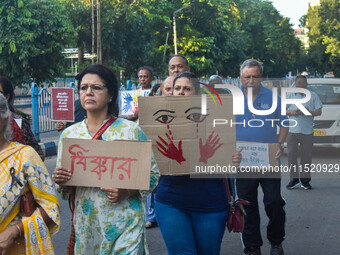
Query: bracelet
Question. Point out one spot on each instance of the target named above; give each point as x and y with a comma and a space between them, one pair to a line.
17, 226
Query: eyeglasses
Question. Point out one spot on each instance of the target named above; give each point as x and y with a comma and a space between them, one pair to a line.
95, 88
173, 67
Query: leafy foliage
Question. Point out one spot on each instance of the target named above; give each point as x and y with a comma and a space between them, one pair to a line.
323, 23
268, 37
80, 16
215, 35
32, 36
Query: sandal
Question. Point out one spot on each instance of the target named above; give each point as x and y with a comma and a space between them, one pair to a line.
150, 224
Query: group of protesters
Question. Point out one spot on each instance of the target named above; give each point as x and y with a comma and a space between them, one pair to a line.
191, 212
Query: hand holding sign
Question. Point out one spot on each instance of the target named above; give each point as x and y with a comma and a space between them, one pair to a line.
237, 157
116, 195
61, 175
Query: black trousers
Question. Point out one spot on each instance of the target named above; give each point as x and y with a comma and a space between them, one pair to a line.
274, 207
306, 153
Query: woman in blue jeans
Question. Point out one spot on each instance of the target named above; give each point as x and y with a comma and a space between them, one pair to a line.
192, 212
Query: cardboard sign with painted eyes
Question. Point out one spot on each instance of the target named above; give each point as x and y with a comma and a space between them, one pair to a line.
183, 139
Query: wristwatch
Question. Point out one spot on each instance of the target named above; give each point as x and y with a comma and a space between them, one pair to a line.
281, 144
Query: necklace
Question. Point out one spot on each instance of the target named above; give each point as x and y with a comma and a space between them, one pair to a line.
94, 129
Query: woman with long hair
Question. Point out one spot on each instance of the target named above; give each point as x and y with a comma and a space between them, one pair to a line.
192, 212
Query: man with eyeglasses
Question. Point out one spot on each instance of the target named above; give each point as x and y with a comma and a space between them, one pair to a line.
178, 64
251, 73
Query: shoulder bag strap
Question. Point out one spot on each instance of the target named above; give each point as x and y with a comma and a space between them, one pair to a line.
103, 128
228, 189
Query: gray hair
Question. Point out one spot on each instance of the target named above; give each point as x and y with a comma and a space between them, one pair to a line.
5, 113
251, 63
147, 68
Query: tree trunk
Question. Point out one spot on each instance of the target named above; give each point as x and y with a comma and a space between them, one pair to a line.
81, 54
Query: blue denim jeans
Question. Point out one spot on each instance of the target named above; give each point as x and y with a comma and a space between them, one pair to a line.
190, 232
150, 208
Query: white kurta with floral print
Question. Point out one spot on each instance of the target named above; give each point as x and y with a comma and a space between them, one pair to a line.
103, 227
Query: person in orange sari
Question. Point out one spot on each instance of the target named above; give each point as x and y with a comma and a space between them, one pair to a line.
21, 171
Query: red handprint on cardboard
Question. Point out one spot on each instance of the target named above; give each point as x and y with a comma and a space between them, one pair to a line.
169, 149
208, 149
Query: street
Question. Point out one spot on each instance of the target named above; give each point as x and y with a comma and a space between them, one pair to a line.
312, 225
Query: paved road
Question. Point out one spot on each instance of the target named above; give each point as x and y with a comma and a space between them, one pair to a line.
312, 216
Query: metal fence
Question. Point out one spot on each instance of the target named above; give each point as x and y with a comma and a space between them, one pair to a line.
41, 110
40, 102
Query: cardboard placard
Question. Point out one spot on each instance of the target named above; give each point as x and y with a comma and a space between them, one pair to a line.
182, 138
112, 164
129, 101
62, 104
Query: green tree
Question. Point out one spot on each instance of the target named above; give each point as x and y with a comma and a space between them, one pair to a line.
323, 22
32, 36
268, 37
211, 38
126, 36
215, 35
80, 16
134, 33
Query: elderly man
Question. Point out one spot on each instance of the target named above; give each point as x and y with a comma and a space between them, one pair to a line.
251, 73
145, 76
178, 64
301, 134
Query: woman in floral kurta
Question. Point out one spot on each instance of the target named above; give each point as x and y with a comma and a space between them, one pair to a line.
103, 226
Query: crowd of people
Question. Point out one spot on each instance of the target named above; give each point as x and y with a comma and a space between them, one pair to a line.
190, 212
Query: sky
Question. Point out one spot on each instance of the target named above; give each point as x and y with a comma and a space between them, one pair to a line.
292, 9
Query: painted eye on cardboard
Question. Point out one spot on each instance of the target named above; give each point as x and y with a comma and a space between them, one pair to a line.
196, 117
165, 119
